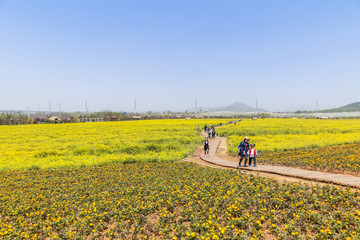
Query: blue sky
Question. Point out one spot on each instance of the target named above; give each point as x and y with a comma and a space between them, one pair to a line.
287, 54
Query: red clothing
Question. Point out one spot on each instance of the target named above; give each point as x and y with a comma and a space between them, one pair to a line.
251, 150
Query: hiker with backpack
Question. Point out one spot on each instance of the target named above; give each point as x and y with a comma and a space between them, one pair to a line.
243, 150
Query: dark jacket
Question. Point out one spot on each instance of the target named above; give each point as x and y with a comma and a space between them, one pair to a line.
206, 144
244, 146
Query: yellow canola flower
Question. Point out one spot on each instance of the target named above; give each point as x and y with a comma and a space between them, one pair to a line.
52, 146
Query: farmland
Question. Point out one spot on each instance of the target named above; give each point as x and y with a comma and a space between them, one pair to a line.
292, 134
46, 146
338, 158
329, 144
49, 189
170, 201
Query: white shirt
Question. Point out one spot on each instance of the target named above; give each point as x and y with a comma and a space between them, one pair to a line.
252, 152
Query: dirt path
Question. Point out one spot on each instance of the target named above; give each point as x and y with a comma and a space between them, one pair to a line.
219, 158
195, 158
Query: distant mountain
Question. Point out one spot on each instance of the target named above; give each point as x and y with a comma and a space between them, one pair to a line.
239, 107
235, 107
353, 107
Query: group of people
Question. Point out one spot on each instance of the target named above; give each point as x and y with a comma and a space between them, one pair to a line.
247, 151
210, 131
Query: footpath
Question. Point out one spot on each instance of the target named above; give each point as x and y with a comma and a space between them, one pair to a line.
340, 179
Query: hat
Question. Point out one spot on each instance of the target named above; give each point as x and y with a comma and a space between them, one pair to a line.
247, 138
253, 145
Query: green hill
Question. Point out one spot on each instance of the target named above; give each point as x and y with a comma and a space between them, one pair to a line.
353, 107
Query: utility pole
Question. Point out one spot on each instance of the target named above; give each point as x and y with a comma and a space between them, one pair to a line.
60, 108
317, 108
195, 106
49, 107
256, 107
86, 107
135, 105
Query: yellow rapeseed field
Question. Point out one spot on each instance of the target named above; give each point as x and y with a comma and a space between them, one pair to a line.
156, 198
71, 145
292, 134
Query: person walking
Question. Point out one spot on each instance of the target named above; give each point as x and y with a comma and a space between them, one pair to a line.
243, 149
206, 147
252, 155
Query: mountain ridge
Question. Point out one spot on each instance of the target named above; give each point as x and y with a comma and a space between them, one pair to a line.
239, 107
234, 107
352, 107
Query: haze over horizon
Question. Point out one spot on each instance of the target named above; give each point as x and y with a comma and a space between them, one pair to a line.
286, 54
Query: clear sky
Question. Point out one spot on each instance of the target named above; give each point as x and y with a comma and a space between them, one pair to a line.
288, 54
